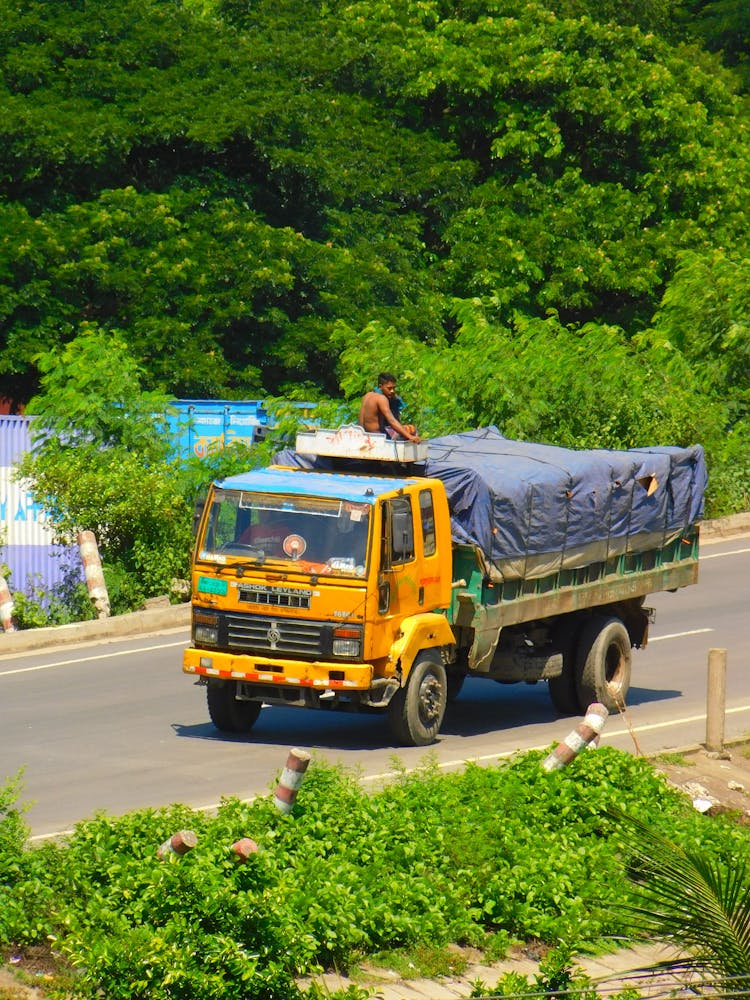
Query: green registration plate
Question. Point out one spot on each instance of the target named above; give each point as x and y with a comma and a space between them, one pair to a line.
207, 585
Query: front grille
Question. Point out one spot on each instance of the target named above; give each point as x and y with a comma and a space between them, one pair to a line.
263, 635
276, 597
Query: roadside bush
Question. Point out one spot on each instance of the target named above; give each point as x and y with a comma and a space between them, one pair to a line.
40, 607
13, 830
431, 858
102, 463
139, 517
26, 897
729, 474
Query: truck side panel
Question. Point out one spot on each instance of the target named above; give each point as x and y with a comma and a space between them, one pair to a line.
483, 608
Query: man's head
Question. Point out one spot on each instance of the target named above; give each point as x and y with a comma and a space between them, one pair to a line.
387, 383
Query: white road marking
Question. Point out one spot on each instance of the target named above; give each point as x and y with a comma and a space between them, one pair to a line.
616, 732
677, 635
720, 555
89, 659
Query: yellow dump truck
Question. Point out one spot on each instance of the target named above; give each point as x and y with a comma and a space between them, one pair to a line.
361, 573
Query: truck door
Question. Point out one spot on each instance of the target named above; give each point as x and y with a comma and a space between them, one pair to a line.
409, 579
397, 588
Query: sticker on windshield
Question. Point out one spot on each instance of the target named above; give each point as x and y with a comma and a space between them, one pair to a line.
207, 556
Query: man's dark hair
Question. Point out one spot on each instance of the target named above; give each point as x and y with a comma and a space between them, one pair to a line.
384, 377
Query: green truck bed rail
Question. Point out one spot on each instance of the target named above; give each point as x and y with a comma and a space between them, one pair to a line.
480, 603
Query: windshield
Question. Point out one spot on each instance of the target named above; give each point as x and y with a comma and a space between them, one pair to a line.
316, 535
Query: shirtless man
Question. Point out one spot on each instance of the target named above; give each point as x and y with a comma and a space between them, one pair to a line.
375, 412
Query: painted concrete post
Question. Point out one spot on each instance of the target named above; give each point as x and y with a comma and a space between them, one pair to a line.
6, 606
243, 849
291, 779
92, 567
177, 845
582, 736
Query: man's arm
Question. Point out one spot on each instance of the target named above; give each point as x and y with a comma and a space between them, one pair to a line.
385, 409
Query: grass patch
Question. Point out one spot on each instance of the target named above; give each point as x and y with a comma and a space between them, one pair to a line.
422, 961
675, 759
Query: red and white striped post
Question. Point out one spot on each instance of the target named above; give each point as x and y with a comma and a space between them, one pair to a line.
243, 849
6, 606
291, 779
582, 736
92, 568
177, 845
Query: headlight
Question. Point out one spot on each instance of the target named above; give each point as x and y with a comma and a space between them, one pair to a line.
205, 628
347, 641
202, 633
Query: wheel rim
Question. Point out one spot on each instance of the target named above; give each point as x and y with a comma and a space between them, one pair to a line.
613, 669
430, 700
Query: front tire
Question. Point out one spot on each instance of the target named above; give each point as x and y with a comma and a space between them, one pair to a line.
416, 711
228, 714
604, 664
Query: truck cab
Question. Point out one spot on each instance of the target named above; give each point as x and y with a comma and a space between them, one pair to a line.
322, 590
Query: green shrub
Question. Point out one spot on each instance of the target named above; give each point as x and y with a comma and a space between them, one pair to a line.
508, 852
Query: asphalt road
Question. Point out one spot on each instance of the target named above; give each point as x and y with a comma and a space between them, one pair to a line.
114, 725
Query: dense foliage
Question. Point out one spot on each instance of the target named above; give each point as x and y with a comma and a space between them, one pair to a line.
103, 460
534, 212
486, 856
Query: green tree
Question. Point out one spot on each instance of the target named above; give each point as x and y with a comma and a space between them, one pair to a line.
723, 26
538, 379
249, 194
92, 397
102, 463
704, 316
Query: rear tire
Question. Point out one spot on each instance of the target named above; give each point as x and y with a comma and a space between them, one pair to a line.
416, 711
604, 663
228, 714
563, 689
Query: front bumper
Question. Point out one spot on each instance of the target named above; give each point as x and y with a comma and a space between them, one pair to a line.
321, 675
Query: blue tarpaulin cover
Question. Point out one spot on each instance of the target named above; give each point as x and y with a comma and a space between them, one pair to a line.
532, 509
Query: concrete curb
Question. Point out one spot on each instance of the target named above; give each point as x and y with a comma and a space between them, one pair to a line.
118, 627
178, 615
725, 527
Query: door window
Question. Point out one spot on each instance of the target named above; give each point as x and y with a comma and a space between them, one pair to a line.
427, 512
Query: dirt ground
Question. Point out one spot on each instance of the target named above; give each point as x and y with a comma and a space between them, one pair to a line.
715, 783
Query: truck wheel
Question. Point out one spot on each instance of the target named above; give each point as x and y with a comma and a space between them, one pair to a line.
228, 714
603, 660
416, 711
563, 690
